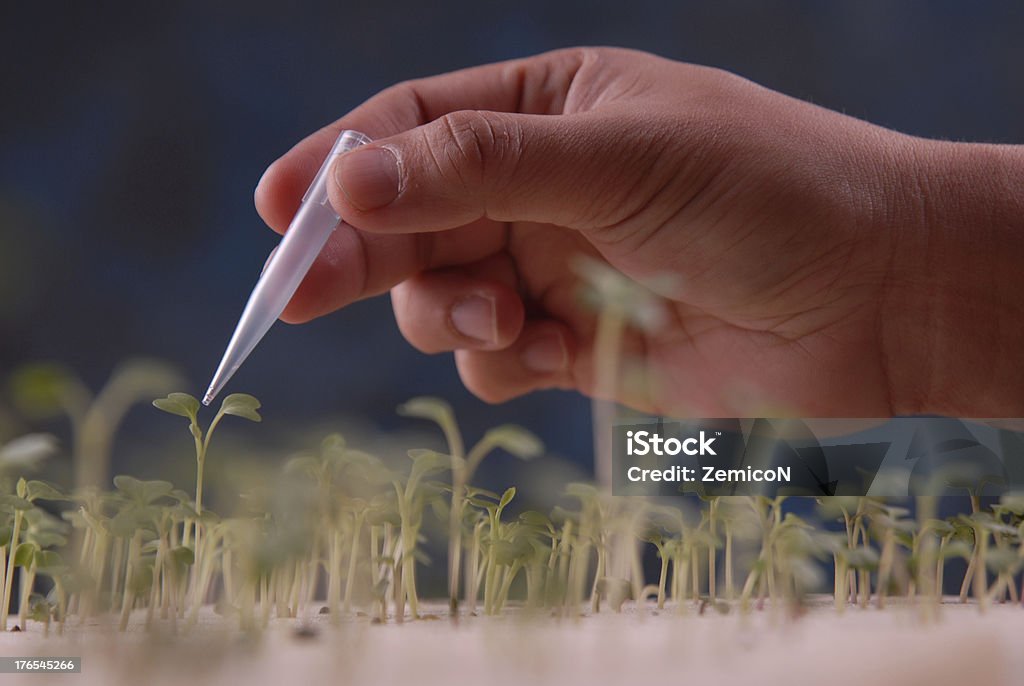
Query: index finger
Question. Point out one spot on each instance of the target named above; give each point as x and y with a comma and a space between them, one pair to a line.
532, 85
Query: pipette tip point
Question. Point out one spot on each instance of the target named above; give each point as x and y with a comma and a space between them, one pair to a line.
208, 398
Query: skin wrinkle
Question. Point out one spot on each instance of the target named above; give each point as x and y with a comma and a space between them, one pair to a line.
544, 91
510, 152
454, 161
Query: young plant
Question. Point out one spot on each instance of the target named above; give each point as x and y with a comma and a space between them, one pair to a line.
13, 553
513, 439
619, 303
413, 497
665, 532
46, 390
184, 405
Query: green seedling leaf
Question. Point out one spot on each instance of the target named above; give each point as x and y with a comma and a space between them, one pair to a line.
420, 556
507, 496
142, 578
333, 444
516, 440
793, 520
183, 555
242, 405
40, 490
581, 491
606, 288
957, 549
373, 472
143, 492
5, 535
473, 492
47, 539
25, 452
480, 502
25, 554
507, 552
1003, 561
939, 526
181, 496
13, 502
834, 506
439, 506
1000, 528
209, 517
47, 560
897, 512
650, 535
303, 463
378, 517
184, 511
865, 559
425, 407
181, 404
76, 581
536, 519
560, 515
127, 522
1012, 502
141, 378
43, 520
44, 389
39, 609
75, 518
427, 461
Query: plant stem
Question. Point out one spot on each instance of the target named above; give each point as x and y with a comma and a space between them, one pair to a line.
607, 355
9, 575
353, 556
128, 599
730, 591
662, 576
712, 547
28, 577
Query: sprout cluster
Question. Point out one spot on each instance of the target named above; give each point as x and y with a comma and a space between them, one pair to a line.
342, 531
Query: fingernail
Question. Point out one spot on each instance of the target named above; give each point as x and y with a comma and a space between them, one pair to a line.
474, 317
545, 355
368, 177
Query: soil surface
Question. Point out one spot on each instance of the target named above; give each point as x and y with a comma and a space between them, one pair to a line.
862, 647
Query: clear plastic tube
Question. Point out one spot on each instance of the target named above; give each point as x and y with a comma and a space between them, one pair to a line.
307, 234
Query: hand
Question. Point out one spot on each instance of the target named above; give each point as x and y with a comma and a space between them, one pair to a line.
806, 249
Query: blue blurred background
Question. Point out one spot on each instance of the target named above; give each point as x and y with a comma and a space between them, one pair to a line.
133, 134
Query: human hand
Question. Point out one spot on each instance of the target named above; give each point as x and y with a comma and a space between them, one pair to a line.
801, 243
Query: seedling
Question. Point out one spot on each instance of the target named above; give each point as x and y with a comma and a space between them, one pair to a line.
513, 439
47, 390
184, 405
619, 303
348, 526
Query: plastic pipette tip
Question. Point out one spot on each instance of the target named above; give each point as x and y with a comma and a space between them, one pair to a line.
208, 398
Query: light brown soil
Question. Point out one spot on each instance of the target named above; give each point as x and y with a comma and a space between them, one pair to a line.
863, 647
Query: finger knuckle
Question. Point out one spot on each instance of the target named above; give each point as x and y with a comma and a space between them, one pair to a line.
476, 146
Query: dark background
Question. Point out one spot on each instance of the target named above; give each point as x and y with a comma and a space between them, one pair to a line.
132, 136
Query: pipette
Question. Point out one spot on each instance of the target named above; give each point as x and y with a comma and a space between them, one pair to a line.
312, 225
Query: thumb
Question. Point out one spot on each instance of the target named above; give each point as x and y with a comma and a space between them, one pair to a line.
558, 169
